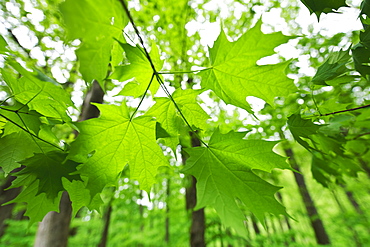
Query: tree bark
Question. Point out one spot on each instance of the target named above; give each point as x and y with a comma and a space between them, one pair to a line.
107, 216
6, 196
320, 233
197, 228
54, 228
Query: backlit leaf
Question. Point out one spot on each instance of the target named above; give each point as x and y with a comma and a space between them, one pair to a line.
234, 73
115, 140
225, 173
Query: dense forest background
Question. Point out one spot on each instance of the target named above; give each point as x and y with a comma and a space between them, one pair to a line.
250, 122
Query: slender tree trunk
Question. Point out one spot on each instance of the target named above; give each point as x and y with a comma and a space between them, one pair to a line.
167, 222
6, 196
197, 228
54, 228
107, 216
320, 233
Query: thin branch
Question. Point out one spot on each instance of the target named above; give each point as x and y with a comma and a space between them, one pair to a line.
347, 110
155, 72
35, 136
360, 135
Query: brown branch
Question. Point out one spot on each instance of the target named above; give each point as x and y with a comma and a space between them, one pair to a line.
352, 109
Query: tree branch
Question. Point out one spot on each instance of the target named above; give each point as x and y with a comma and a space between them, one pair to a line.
348, 110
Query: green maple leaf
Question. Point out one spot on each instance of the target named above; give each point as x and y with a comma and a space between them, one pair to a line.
16, 144
224, 173
323, 170
45, 97
167, 115
323, 6
78, 194
334, 66
234, 73
361, 55
18, 116
140, 69
38, 205
300, 127
49, 169
14, 148
97, 23
115, 140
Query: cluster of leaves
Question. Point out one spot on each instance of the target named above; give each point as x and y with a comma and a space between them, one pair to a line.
225, 167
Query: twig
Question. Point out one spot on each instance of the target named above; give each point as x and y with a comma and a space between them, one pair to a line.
155, 72
347, 110
35, 136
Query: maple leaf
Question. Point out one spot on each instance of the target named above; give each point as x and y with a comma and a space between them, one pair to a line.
103, 20
334, 66
49, 169
15, 143
361, 55
78, 194
14, 148
38, 205
234, 73
18, 116
167, 115
323, 6
116, 140
46, 97
224, 173
140, 69
300, 127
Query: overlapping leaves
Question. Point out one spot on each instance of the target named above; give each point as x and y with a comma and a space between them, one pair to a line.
167, 115
108, 143
96, 23
224, 171
140, 69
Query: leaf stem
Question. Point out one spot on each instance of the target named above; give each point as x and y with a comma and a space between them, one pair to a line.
182, 72
142, 98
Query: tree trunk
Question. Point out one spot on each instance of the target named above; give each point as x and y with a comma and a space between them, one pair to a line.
107, 215
167, 222
54, 228
6, 196
197, 228
314, 217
